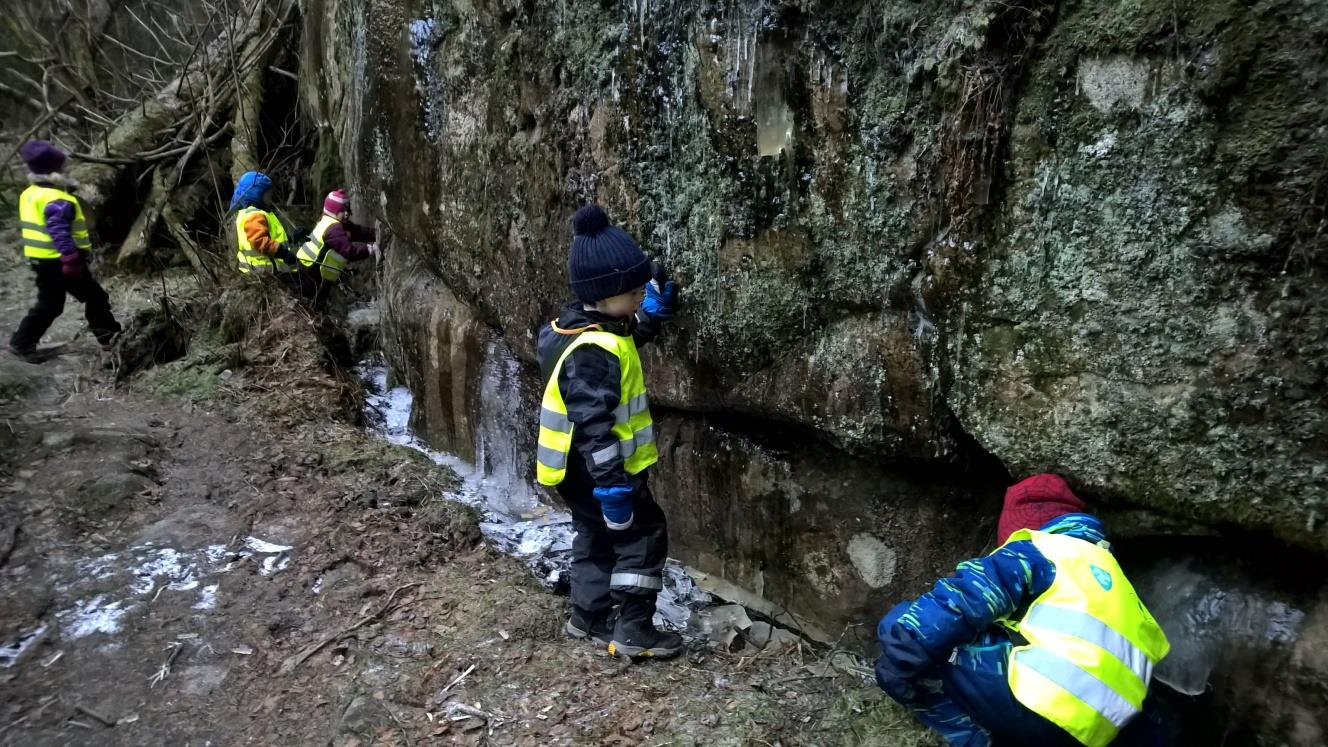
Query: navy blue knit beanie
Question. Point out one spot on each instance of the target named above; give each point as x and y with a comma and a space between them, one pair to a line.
604, 261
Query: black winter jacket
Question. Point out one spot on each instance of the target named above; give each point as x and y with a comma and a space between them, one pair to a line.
590, 382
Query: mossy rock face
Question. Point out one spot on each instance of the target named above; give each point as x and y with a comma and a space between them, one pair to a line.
1145, 321
1086, 236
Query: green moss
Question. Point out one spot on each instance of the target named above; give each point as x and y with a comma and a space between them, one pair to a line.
183, 378
373, 455
870, 719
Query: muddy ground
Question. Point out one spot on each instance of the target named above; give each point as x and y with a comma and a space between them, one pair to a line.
214, 552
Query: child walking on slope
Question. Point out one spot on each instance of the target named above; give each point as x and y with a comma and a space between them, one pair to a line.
596, 437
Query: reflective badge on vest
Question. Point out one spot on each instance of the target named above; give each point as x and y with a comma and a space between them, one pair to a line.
1103, 578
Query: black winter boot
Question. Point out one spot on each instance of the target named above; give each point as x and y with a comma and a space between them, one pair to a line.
635, 635
27, 355
597, 625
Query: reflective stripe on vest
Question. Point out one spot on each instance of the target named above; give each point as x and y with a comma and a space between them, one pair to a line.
1092, 644
37, 241
313, 252
251, 259
632, 423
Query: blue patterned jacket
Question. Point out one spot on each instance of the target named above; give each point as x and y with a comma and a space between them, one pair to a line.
961, 610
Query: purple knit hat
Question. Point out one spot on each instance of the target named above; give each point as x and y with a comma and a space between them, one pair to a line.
42, 157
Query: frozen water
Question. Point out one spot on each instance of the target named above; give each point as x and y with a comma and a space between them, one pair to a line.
1208, 614
273, 563
263, 546
95, 615
207, 598
150, 571
514, 518
166, 563
10, 654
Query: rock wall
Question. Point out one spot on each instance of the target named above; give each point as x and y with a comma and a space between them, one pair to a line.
920, 244
1087, 237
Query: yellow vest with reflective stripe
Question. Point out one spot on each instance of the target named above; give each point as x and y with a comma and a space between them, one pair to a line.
1091, 645
251, 259
632, 424
311, 254
37, 243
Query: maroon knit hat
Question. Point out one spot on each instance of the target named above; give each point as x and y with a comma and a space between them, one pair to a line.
42, 157
1034, 501
336, 203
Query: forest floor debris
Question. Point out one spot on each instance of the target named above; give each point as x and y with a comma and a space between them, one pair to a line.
244, 563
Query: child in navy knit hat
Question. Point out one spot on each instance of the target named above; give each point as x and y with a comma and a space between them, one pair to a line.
597, 439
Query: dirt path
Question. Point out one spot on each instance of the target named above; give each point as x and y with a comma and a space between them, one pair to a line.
186, 571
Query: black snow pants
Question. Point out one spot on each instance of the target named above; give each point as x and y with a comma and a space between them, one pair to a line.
613, 565
52, 285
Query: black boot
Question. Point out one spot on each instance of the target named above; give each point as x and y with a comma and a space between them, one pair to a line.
597, 625
28, 355
635, 636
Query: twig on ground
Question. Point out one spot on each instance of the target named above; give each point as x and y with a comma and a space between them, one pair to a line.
458, 679
86, 711
164, 670
296, 660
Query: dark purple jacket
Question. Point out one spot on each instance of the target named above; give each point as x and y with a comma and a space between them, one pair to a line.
349, 240
60, 217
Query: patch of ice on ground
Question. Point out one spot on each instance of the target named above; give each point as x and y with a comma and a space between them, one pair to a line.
179, 570
273, 563
263, 546
275, 557
207, 598
152, 570
98, 567
91, 616
10, 654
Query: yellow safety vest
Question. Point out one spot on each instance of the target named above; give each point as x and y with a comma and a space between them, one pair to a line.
250, 258
632, 424
314, 253
1091, 645
37, 242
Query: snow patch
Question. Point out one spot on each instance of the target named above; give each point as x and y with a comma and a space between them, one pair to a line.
10, 654
263, 546
91, 616
207, 598
178, 569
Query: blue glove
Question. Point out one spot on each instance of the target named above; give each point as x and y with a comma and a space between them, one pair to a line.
660, 303
616, 505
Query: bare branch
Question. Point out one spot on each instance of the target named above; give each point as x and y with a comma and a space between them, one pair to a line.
36, 104
286, 73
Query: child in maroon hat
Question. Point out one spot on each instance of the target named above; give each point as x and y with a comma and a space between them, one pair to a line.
1043, 641
1034, 501
334, 243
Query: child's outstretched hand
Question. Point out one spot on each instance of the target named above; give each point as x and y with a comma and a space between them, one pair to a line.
661, 293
